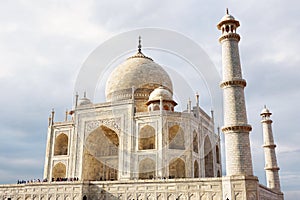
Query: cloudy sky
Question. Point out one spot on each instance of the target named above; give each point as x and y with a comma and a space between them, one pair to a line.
43, 45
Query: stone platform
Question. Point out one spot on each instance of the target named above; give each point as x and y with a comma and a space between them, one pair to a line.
172, 189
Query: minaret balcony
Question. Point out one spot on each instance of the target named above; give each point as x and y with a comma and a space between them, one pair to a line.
269, 145
237, 128
234, 82
233, 36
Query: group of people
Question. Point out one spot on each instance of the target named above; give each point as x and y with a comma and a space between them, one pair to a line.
65, 179
31, 181
45, 180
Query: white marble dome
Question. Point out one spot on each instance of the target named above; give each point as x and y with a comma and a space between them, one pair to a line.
160, 93
139, 72
84, 101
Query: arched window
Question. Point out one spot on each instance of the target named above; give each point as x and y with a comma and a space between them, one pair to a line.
147, 138
208, 159
219, 173
227, 28
101, 155
166, 107
84, 197
59, 171
156, 107
177, 168
61, 145
195, 142
218, 154
176, 138
196, 169
147, 169
232, 29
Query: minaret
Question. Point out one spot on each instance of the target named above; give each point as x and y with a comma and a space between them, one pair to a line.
236, 128
271, 167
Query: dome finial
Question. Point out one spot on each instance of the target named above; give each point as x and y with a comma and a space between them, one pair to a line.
139, 54
140, 45
227, 12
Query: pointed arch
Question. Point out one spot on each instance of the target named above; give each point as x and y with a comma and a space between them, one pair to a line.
58, 197
61, 145
177, 168
195, 142
147, 168
196, 169
218, 154
176, 138
208, 159
59, 171
166, 107
156, 107
147, 138
101, 155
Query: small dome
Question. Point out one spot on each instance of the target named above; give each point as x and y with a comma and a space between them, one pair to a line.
84, 101
160, 93
265, 111
227, 17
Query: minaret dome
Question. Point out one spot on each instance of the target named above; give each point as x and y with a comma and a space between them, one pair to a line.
228, 24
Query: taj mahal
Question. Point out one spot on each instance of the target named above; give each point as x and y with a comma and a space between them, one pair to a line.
135, 145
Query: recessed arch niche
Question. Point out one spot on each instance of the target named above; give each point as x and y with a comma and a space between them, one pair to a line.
101, 155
